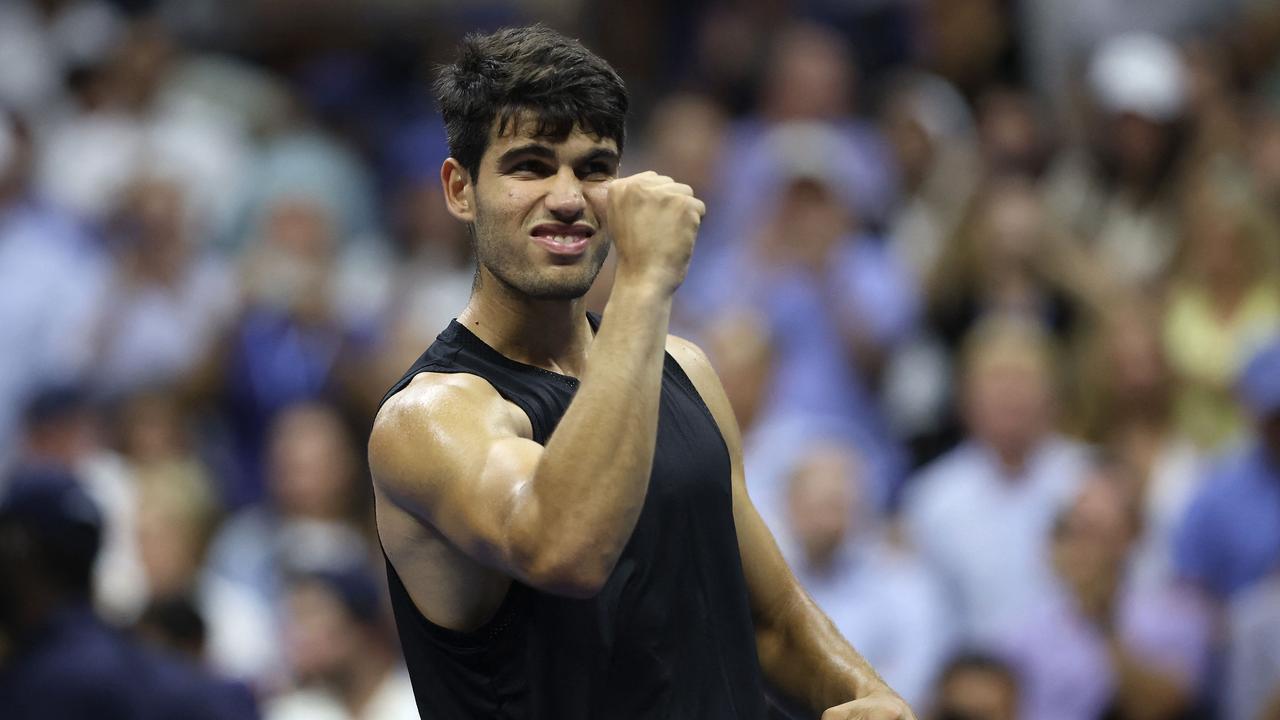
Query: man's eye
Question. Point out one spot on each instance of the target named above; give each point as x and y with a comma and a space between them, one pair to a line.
598, 171
530, 166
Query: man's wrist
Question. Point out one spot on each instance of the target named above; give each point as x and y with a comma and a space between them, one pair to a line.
641, 287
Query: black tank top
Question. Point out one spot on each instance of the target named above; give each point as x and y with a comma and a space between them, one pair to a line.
669, 636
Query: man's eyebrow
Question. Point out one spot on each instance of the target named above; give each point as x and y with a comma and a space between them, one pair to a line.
537, 150
604, 154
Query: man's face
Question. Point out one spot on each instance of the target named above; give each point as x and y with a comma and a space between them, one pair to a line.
1008, 403
539, 211
822, 501
1096, 532
978, 694
322, 639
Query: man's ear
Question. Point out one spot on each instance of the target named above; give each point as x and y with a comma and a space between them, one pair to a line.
459, 190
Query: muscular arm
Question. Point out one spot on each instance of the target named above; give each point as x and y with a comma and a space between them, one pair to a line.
801, 652
556, 518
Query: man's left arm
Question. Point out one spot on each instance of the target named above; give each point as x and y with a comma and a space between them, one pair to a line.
801, 652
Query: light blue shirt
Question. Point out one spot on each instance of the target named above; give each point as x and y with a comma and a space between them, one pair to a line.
51, 276
888, 605
987, 533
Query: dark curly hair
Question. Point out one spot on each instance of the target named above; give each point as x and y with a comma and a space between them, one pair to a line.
535, 70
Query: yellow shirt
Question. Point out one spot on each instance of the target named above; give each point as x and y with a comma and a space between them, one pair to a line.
1206, 353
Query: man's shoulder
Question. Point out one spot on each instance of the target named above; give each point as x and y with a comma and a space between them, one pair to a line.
698, 368
428, 395
432, 409
692, 359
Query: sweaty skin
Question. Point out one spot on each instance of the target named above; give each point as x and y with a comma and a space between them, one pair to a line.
467, 501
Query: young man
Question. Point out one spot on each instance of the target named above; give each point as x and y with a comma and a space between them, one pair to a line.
560, 498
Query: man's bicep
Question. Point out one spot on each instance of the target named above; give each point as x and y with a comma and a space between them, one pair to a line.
445, 455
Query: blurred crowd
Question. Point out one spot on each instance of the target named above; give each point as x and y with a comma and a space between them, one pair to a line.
993, 287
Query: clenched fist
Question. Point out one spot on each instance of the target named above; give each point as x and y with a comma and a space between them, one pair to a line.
653, 221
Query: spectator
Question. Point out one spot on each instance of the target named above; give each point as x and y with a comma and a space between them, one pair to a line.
62, 431
341, 652
1230, 537
810, 78
62, 660
1264, 158
1008, 258
1119, 196
834, 299
976, 687
173, 625
153, 429
1013, 133
685, 138
740, 347
1100, 643
46, 42
176, 501
931, 132
291, 344
314, 518
168, 301
882, 598
1125, 405
176, 517
1224, 302
968, 42
52, 272
982, 513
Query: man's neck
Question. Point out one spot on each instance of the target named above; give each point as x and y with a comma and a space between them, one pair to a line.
550, 334
1014, 458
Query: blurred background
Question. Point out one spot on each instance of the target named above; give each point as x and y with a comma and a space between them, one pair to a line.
993, 286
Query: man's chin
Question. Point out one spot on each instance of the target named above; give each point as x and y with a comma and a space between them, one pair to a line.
548, 288
551, 292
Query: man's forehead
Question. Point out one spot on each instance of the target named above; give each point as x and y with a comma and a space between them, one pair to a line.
526, 128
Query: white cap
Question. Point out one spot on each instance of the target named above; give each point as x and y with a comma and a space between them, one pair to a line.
1139, 73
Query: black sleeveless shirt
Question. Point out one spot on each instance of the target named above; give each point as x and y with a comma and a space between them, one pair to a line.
670, 634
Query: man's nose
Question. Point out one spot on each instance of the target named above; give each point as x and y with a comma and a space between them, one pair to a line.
564, 199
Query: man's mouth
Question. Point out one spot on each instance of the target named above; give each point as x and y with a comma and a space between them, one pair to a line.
563, 239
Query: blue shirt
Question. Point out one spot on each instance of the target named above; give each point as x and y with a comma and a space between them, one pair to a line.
1230, 537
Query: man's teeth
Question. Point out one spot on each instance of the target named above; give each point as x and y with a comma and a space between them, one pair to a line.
564, 239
